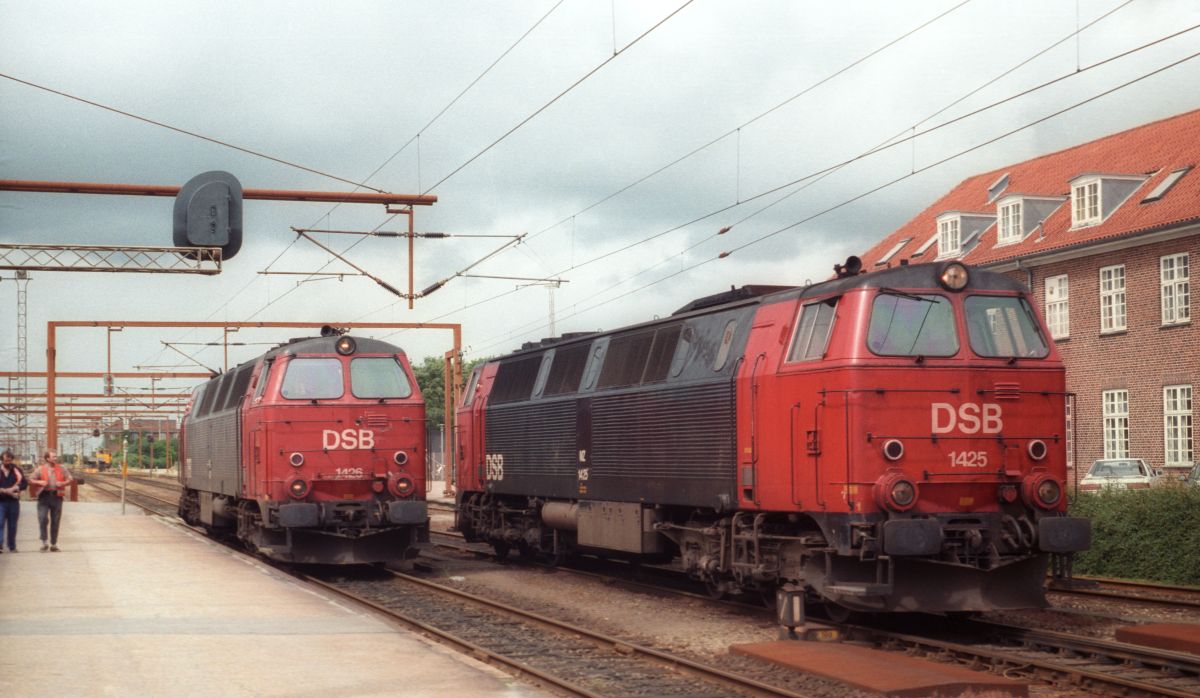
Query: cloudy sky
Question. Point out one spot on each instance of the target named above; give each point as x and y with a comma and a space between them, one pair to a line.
596, 100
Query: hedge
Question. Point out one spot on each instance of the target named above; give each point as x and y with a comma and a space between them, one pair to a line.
1151, 535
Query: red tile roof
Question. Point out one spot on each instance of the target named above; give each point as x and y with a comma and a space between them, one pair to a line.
1154, 150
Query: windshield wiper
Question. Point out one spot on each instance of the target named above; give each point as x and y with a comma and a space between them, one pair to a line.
908, 296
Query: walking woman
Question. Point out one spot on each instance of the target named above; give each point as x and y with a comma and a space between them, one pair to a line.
12, 481
49, 480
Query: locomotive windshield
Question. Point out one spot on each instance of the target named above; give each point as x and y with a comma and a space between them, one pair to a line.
1003, 326
905, 324
379, 377
313, 379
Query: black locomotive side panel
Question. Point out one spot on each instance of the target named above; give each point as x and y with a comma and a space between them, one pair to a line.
531, 449
670, 445
214, 454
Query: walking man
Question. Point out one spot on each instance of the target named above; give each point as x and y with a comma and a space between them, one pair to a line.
49, 481
12, 481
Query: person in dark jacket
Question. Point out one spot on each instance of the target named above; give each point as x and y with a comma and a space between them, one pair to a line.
12, 481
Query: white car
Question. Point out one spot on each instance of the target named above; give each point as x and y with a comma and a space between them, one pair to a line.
1118, 474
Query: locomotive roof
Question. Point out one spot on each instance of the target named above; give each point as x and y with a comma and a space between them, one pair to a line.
326, 345
910, 276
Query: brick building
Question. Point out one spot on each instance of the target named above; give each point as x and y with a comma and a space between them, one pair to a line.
1105, 234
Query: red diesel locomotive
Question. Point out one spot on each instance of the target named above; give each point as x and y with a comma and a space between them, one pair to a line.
891, 441
313, 452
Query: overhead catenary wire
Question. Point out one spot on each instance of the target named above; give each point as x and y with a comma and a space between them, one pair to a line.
193, 134
890, 143
384, 164
880, 187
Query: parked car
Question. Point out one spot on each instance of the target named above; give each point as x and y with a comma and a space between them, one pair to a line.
1192, 479
1118, 474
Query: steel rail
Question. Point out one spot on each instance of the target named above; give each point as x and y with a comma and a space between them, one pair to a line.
1009, 657
1133, 598
478, 651
664, 658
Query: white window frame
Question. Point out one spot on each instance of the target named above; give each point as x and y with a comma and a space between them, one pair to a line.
1112, 299
1174, 276
1008, 223
1116, 423
1058, 309
1177, 426
949, 231
1085, 203
925, 246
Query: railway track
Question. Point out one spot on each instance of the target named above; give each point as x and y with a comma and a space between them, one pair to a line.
1064, 660
144, 500
1057, 658
1135, 592
572, 659
568, 657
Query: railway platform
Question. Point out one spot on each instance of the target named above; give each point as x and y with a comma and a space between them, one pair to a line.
135, 605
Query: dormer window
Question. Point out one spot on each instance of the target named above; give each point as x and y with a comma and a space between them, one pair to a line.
1085, 203
1010, 229
1095, 196
949, 237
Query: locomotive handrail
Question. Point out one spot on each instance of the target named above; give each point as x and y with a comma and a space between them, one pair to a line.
983, 391
966, 437
952, 391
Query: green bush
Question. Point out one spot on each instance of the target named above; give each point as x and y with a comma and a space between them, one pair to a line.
1151, 535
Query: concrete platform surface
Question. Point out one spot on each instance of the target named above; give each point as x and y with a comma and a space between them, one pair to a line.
134, 605
886, 673
1177, 637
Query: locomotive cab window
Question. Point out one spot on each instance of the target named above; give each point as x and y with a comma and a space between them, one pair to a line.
567, 370
515, 379
378, 377
813, 330
263, 377
240, 381
313, 379
905, 324
1003, 327
469, 393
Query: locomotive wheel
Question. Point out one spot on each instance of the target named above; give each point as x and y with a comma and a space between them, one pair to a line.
838, 614
714, 589
500, 550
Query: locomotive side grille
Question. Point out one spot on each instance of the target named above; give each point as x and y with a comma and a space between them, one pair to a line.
683, 433
1008, 391
214, 450
535, 440
374, 419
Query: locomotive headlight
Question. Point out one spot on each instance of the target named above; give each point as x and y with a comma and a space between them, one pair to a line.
400, 458
893, 449
1042, 490
904, 493
402, 486
896, 492
296, 459
378, 485
345, 345
1048, 492
1037, 449
954, 277
298, 488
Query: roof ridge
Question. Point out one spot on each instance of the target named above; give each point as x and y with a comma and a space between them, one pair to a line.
1098, 139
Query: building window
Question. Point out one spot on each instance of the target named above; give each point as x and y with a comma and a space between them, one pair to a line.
1116, 423
1177, 423
1058, 317
949, 242
1010, 224
925, 246
1176, 298
1085, 203
1112, 298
